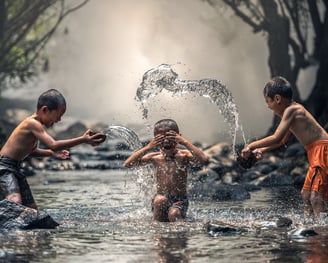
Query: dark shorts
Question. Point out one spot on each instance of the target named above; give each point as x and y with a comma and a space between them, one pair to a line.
13, 181
181, 203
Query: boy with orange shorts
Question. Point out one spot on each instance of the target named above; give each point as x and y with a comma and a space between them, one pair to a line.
295, 119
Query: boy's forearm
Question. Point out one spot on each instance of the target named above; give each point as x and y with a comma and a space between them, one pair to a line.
66, 144
135, 158
198, 154
41, 153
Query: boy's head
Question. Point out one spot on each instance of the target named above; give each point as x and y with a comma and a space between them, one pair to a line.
162, 127
165, 124
51, 107
52, 98
278, 86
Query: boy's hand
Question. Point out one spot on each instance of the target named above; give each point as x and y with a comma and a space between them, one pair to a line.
246, 152
156, 141
64, 154
258, 154
93, 138
175, 137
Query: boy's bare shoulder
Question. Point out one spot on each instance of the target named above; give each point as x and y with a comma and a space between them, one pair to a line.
30, 123
295, 109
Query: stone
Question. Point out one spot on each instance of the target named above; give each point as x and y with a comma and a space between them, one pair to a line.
13, 216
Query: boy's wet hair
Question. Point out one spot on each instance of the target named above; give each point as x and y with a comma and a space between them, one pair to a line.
167, 123
278, 86
52, 99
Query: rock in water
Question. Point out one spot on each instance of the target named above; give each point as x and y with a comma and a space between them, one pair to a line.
13, 215
301, 233
218, 229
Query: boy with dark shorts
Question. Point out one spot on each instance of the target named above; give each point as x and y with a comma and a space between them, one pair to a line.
23, 142
171, 163
295, 119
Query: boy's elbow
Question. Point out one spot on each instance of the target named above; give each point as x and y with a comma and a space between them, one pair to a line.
128, 164
204, 161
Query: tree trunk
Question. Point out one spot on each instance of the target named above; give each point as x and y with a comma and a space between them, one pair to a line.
278, 29
317, 102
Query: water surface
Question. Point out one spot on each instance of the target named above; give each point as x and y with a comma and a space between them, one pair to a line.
105, 217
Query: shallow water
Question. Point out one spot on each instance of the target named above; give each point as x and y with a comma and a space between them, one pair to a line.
104, 218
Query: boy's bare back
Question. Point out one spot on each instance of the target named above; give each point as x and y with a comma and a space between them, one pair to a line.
302, 124
22, 141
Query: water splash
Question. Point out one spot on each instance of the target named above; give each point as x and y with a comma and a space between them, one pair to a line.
129, 136
144, 174
163, 77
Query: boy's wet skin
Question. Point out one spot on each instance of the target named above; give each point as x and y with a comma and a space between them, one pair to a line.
296, 120
171, 169
23, 142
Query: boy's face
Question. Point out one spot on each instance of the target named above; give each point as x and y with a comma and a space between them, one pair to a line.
167, 143
53, 116
272, 102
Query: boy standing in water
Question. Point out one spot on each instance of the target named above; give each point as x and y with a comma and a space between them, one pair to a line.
297, 120
170, 202
23, 142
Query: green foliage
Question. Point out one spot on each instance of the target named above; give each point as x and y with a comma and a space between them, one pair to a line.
25, 28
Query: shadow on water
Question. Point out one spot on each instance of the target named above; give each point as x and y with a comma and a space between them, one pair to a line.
104, 218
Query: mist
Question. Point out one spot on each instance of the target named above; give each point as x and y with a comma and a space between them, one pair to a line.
100, 53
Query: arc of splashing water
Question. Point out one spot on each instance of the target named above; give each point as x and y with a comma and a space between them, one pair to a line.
164, 78
129, 136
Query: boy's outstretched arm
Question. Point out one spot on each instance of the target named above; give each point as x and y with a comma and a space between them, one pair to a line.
274, 141
139, 157
58, 145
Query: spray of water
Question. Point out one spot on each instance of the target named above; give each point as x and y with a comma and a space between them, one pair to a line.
129, 136
144, 174
163, 77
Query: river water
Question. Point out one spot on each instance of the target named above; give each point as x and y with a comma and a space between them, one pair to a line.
103, 217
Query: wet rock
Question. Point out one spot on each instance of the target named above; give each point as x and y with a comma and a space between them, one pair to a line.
13, 215
295, 150
274, 179
284, 222
277, 222
301, 233
231, 192
219, 229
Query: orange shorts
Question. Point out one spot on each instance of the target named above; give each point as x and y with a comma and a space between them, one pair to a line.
317, 176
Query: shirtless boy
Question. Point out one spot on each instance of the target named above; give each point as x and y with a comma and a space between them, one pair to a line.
23, 142
171, 163
297, 120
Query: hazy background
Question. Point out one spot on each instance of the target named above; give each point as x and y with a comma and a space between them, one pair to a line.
99, 62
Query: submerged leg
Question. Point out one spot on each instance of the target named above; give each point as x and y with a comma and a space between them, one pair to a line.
317, 203
306, 202
175, 214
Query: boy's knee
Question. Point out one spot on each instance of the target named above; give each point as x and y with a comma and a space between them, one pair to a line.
160, 200
174, 214
14, 197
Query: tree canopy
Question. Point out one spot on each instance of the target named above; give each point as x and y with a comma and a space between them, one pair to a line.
297, 38
25, 28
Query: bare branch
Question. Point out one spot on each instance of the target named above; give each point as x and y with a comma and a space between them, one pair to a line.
235, 7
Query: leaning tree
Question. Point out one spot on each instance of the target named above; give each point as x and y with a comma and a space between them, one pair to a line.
25, 28
296, 32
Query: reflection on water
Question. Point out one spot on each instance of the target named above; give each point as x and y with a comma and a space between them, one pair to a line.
104, 218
